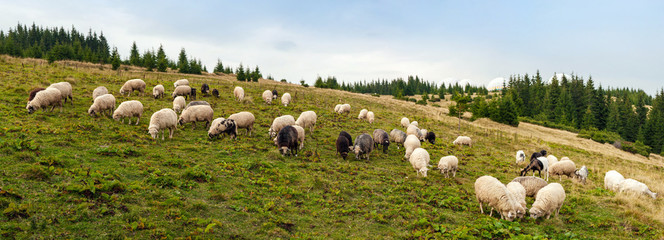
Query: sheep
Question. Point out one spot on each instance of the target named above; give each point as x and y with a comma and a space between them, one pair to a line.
238, 92
561, 168
552, 159
548, 200
415, 131
300, 135
430, 137
541, 164
181, 82
363, 114
363, 146
129, 109
564, 158
227, 126
463, 140
182, 90
612, 179
178, 104
380, 137
287, 140
279, 123
131, 85
215, 93
343, 108
158, 91
198, 113
163, 119
196, 103
411, 144
267, 97
636, 187
286, 99
419, 159
343, 144
192, 94
531, 184
397, 136
307, 119
101, 90
244, 120
275, 94
405, 122
47, 97
423, 134
492, 192
519, 194
102, 104
337, 108
415, 123
448, 164
65, 91
371, 117
520, 156
214, 131
205, 89
582, 174
34, 91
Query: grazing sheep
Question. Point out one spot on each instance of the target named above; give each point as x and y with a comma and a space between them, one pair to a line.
363, 114
161, 120
267, 97
244, 120
448, 164
405, 122
132, 85
286, 99
423, 134
158, 91
34, 91
552, 159
102, 104
279, 123
612, 179
363, 146
215, 93
490, 191
287, 140
541, 164
196, 103
198, 113
179, 104
520, 156
205, 89
347, 135
531, 184
415, 131
371, 117
548, 200
181, 82
47, 97
307, 119
129, 109
582, 174
227, 126
463, 140
380, 137
343, 108
343, 143
411, 144
430, 137
415, 123
635, 187
275, 94
214, 131
397, 136
193, 93
420, 161
536, 155
182, 90
300, 135
65, 91
561, 168
519, 194
101, 90
337, 107
238, 93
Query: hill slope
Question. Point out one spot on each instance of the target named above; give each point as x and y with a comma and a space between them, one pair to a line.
69, 175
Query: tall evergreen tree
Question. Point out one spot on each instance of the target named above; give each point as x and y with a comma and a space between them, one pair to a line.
115, 59
183, 62
162, 62
219, 68
134, 57
149, 60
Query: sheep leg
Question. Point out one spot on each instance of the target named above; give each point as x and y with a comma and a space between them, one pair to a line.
481, 209
454, 173
163, 133
193, 126
170, 132
138, 119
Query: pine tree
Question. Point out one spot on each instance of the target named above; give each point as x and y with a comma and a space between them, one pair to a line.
115, 59
183, 63
588, 119
149, 61
220, 67
240, 73
162, 62
134, 57
256, 74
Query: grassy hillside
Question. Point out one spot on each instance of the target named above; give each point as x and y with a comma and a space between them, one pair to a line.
68, 175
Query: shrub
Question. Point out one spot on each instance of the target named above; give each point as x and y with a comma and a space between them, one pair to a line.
421, 102
599, 136
638, 148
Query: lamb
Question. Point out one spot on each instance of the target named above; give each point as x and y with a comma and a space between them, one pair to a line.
275, 94
415, 131
286, 99
205, 89
182, 90
129, 109
397, 136
492, 192
196, 103
287, 140
343, 143
548, 200
161, 120
520, 156
65, 91
363, 114
101, 90
582, 174
531, 184
244, 120
221, 125
267, 97
279, 123
420, 161
371, 117
300, 135
566, 167
214, 131
519, 194
34, 92
48, 97
363, 146
405, 122
198, 113
102, 104
131, 85
181, 82
430, 137
215, 93
612, 179
380, 137
158, 91
307, 120
411, 144
179, 104
415, 123
463, 140
448, 164
552, 159
636, 187
541, 164
238, 92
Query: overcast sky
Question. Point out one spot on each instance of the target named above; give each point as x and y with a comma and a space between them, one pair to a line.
619, 43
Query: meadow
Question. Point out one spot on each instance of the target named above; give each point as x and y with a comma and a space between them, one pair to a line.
69, 175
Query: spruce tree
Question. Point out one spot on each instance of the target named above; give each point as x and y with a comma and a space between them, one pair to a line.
183, 63
134, 57
219, 68
115, 59
162, 62
240, 73
149, 61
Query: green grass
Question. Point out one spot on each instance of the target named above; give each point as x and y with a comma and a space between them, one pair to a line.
69, 175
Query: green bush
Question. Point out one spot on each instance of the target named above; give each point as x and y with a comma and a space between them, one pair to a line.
421, 102
599, 136
638, 148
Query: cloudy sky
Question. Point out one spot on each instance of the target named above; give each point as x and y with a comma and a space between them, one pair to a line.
619, 43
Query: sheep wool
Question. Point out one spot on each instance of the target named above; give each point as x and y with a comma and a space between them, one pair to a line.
552, 159
419, 159
397, 136
531, 184
415, 123
160, 121
463, 140
307, 119
519, 194
65, 91
286, 99
129, 109
102, 104
300, 135
267, 96
549, 199
244, 120
179, 104
566, 167
101, 90
635, 187
612, 179
411, 144
182, 90
158, 91
363, 146
279, 123
363, 114
132, 85
238, 93
181, 82
520, 156
405, 122
490, 191
370, 117
447, 165
45, 98
380, 137
343, 108
198, 113
415, 131
214, 130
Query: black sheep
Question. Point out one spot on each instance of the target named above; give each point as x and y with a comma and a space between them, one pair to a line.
193, 93
431, 137
205, 89
287, 140
343, 144
275, 95
215, 92
534, 165
347, 135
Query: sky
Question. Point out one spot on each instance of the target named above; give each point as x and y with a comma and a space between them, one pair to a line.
618, 43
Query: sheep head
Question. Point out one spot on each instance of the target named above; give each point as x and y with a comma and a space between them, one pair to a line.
153, 131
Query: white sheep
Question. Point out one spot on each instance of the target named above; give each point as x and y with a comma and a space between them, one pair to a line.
161, 120
448, 164
419, 159
582, 174
566, 167
43, 99
415, 123
635, 187
238, 93
286, 99
545, 166
179, 104
244, 120
101, 90
182, 90
398, 136
102, 104
370, 117
549, 199
423, 134
214, 130
405, 122
267, 97
488, 190
279, 123
564, 158
65, 91
411, 143
520, 156
131, 85
197, 113
463, 140
158, 91
532, 184
181, 82
300, 136
519, 194
414, 130
552, 159
612, 179
337, 107
307, 119
363, 114
343, 108
129, 109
